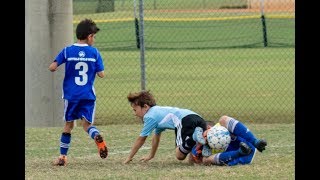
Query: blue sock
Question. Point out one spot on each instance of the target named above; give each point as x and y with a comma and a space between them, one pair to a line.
225, 157
65, 143
239, 129
92, 131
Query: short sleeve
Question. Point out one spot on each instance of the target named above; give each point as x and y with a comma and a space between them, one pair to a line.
149, 124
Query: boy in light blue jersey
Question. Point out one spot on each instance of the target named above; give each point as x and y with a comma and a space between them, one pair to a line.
159, 118
82, 63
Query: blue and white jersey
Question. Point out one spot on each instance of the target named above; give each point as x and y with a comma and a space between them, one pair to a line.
160, 118
82, 62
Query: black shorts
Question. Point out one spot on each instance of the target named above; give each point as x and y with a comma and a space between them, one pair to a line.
184, 139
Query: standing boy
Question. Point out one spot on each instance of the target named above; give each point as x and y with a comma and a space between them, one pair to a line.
82, 63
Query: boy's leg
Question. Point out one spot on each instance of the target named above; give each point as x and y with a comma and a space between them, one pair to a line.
101, 144
87, 112
65, 141
64, 147
247, 159
180, 155
239, 129
228, 157
184, 133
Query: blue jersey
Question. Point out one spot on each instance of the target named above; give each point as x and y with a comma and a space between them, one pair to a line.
82, 62
160, 118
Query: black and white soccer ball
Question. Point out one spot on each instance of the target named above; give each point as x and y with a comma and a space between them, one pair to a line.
218, 138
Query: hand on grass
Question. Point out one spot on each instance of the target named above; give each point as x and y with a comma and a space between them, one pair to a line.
127, 161
145, 159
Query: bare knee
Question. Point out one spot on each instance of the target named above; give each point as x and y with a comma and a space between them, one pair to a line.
179, 155
207, 160
223, 121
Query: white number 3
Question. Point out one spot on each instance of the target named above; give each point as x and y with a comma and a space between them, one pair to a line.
78, 80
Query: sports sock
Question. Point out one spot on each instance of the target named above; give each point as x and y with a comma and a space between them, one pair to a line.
65, 143
92, 131
224, 157
239, 129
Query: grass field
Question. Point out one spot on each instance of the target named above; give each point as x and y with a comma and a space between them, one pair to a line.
254, 84
213, 67
186, 31
212, 62
42, 147
89, 6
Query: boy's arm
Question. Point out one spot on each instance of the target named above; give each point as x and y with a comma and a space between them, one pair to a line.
136, 146
100, 74
155, 144
53, 66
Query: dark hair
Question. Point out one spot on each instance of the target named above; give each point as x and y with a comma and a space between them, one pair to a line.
85, 28
141, 98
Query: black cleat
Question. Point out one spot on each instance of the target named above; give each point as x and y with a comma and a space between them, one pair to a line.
261, 145
244, 149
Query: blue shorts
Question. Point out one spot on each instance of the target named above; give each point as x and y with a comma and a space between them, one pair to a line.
234, 145
78, 109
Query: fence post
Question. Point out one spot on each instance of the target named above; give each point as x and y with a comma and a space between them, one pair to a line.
142, 47
264, 27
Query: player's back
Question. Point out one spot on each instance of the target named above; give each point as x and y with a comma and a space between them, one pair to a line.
168, 117
82, 62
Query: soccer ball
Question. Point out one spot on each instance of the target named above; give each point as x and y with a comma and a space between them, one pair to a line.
218, 138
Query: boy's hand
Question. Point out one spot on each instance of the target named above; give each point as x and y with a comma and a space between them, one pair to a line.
145, 159
127, 161
53, 66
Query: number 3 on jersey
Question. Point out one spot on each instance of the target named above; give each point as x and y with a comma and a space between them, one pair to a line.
82, 73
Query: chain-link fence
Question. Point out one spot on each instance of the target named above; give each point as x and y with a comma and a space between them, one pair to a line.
216, 57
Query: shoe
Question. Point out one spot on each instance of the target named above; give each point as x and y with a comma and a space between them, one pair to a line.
61, 161
102, 146
206, 150
198, 135
244, 149
261, 145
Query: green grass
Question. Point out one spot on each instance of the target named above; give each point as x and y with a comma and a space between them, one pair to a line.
256, 85
89, 6
42, 148
212, 65
196, 34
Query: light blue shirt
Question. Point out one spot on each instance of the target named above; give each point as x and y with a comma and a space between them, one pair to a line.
160, 118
